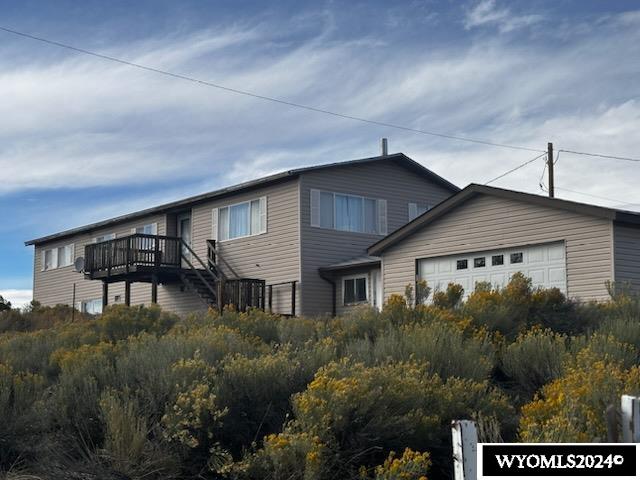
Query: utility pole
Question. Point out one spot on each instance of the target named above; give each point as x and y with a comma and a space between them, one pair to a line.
550, 167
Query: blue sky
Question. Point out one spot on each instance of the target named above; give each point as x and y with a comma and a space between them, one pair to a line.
82, 139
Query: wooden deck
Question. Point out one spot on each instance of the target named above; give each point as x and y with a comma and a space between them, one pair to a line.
158, 259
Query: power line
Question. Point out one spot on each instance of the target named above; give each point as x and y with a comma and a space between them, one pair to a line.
263, 97
516, 168
541, 181
621, 202
612, 157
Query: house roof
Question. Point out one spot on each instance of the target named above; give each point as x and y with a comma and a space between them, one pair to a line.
472, 190
361, 261
399, 158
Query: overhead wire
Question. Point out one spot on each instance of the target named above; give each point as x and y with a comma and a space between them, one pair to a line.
516, 168
264, 97
612, 157
319, 110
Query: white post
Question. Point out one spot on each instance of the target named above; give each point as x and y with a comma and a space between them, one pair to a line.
630, 416
465, 444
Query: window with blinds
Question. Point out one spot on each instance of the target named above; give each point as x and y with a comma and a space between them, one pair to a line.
348, 213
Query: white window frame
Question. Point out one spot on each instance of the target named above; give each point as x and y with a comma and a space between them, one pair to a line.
381, 212
72, 249
366, 288
55, 257
105, 238
263, 216
154, 228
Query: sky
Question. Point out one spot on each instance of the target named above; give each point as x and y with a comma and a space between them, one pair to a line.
83, 139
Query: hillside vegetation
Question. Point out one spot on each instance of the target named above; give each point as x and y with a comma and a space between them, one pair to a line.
143, 394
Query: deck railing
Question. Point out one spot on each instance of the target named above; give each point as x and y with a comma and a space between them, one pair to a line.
244, 293
134, 250
119, 257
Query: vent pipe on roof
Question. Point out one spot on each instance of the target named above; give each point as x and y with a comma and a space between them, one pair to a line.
383, 144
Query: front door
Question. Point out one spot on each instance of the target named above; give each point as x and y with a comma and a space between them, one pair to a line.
184, 232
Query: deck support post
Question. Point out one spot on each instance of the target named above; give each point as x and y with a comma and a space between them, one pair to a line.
127, 293
105, 294
270, 298
154, 288
293, 298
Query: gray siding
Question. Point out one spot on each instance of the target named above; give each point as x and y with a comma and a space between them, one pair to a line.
486, 222
627, 255
56, 286
322, 247
273, 256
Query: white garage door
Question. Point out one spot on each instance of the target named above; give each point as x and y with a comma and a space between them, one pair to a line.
543, 263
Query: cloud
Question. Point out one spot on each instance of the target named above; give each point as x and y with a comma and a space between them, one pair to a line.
76, 122
18, 298
486, 13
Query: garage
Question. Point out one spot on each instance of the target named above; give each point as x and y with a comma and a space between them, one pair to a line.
545, 264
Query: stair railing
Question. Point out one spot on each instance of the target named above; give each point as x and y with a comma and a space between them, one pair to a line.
216, 279
215, 257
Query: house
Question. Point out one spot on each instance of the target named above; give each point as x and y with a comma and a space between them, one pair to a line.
294, 242
486, 234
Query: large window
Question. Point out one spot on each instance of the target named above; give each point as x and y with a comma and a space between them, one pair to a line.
240, 220
416, 209
348, 213
57, 257
354, 290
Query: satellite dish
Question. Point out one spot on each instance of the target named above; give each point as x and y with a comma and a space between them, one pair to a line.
78, 265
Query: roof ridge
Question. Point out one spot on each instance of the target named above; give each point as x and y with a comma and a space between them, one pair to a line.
231, 189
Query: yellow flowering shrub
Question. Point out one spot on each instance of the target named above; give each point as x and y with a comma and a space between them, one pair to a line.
194, 417
287, 455
449, 298
410, 466
571, 408
353, 408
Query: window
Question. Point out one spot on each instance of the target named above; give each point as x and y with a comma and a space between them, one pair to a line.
104, 238
92, 307
326, 210
57, 257
461, 265
479, 262
65, 256
355, 290
415, 210
49, 261
149, 229
348, 213
240, 220
516, 257
497, 260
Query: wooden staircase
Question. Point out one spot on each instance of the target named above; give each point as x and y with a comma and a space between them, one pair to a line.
214, 288
159, 259
196, 281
